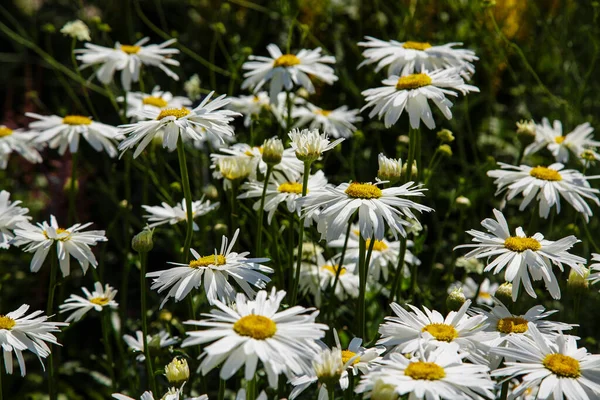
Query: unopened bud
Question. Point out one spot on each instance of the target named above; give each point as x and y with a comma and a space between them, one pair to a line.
414, 170
455, 299
390, 169
272, 151
588, 155
504, 293
67, 186
211, 192
462, 201
578, 283
177, 371
445, 136
142, 242
165, 315
383, 391
526, 132
445, 150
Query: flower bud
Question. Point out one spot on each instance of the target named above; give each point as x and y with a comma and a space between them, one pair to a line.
455, 299
526, 132
462, 201
414, 171
445, 150
211, 192
165, 315
383, 391
445, 136
504, 293
177, 371
142, 242
67, 185
390, 169
577, 283
234, 168
272, 151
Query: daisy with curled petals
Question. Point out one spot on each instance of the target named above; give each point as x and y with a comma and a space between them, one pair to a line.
559, 369
136, 344
250, 330
206, 118
522, 255
72, 241
309, 144
408, 331
215, 269
434, 374
546, 185
484, 292
16, 140
412, 93
98, 299
317, 278
376, 208
128, 59
359, 358
560, 145
408, 57
65, 132
283, 71
155, 101
280, 190
165, 214
594, 276
19, 333
337, 123
10, 215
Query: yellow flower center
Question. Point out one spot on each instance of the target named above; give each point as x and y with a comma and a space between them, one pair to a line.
173, 112
249, 153
286, 60
413, 81
334, 269
442, 332
129, 49
559, 139
363, 191
545, 174
290, 187
76, 120
520, 244
323, 112
347, 355
377, 246
427, 371
6, 322
155, 101
58, 232
416, 45
512, 325
208, 260
561, 365
485, 295
4, 131
101, 301
255, 326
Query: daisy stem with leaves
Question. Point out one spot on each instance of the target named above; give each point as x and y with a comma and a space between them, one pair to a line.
395, 289
49, 310
187, 193
73, 189
251, 389
261, 211
307, 164
412, 146
106, 326
364, 258
149, 368
339, 270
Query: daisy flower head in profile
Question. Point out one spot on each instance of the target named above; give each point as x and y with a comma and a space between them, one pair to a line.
357, 358
136, 344
310, 145
390, 169
336, 123
207, 118
19, 141
412, 93
11, 214
408, 331
128, 59
165, 214
283, 71
317, 278
250, 106
97, 300
172, 394
376, 207
485, 291
252, 330
403, 58
559, 368
155, 102
215, 270
523, 257
547, 185
65, 132
437, 373
72, 241
559, 144
20, 332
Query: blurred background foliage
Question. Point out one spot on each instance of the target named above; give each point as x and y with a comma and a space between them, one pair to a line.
536, 58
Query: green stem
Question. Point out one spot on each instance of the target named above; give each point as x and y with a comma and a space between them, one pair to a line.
395, 289
107, 347
362, 249
504, 391
301, 236
149, 368
49, 309
251, 389
221, 389
288, 101
331, 392
73, 190
1, 374
234, 213
337, 272
412, 145
261, 212
187, 193
83, 87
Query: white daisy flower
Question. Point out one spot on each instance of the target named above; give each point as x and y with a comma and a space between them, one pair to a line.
215, 270
155, 102
547, 185
318, 278
408, 57
484, 292
76, 29
437, 374
18, 141
65, 132
250, 106
390, 169
10, 215
309, 144
71, 241
128, 59
254, 329
172, 394
384, 256
163, 214
136, 344
280, 191
552, 138
594, 276
408, 331
98, 299
357, 358
412, 92
522, 255
561, 370
19, 333
376, 208
337, 123
283, 71
192, 124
